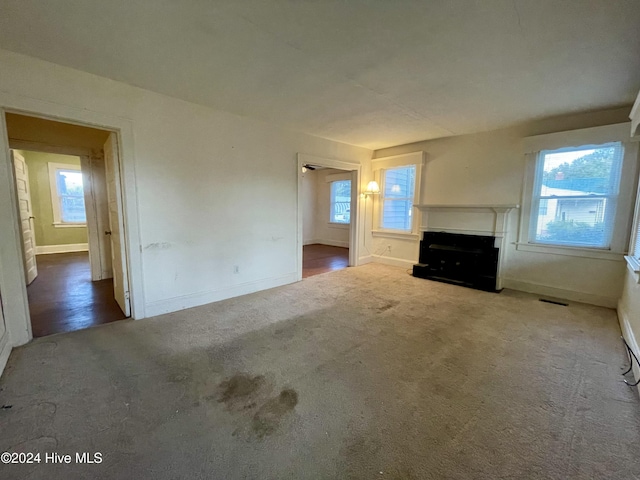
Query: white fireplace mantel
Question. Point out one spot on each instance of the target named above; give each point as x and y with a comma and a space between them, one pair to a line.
494, 224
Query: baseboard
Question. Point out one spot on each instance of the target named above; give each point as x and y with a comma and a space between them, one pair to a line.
202, 298
627, 333
5, 350
396, 262
571, 295
331, 243
310, 242
72, 247
364, 260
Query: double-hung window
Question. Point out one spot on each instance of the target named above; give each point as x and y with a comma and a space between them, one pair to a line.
398, 177
398, 192
67, 195
340, 202
575, 196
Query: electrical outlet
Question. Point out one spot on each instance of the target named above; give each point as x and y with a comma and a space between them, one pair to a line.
236, 269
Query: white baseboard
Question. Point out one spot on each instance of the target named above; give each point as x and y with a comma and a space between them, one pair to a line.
364, 260
72, 247
331, 243
396, 262
572, 295
202, 298
627, 333
5, 350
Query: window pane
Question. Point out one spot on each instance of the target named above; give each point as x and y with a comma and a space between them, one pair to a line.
72, 209
70, 192
576, 192
397, 201
581, 172
397, 214
69, 182
399, 182
577, 221
341, 201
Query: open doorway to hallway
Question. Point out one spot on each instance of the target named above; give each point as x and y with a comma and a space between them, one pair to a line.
327, 207
67, 189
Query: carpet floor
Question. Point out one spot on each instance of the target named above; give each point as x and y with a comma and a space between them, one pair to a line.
361, 373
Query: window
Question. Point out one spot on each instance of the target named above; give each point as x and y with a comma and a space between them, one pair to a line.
67, 195
397, 198
340, 201
575, 195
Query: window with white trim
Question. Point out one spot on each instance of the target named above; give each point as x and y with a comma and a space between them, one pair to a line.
575, 196
397, 196
67, 195
340, 211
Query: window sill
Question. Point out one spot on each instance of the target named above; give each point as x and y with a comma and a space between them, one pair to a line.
343, 226
571, 251
70, 225
634, 266
395, 234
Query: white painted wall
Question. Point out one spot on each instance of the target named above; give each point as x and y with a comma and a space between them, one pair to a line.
629, 314
213, 190
488, 168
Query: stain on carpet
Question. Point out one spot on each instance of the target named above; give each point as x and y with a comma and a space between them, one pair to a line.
268, 418
239, 391
390, 304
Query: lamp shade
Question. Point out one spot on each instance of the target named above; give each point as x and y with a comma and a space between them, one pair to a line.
373, 187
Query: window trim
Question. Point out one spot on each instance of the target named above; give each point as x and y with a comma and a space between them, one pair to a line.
629, 173
55, 198
380, 165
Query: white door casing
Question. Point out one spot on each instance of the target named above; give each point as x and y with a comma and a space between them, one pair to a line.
116, 224
25, 212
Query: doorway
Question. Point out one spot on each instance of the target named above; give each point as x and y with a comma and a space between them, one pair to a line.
327, 215
71, 227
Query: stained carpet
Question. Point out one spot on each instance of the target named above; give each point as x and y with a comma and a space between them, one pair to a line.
361, 373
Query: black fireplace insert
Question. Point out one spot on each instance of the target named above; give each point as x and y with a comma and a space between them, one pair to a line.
467, 260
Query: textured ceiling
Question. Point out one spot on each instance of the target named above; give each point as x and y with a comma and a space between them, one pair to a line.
374, 73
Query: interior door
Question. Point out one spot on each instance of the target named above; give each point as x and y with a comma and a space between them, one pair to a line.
25, 210
116, 224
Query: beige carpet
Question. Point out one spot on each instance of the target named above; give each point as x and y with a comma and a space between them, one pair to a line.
362, 373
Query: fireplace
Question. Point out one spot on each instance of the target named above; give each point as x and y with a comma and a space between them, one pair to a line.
467, 260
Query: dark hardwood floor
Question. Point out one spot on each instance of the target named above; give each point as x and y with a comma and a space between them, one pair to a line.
63, 298
318, 259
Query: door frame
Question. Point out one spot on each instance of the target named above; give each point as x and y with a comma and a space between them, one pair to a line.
14, 293
356, 218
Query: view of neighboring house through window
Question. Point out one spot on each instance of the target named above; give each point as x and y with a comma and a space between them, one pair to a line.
575, 196
340, 201
67, 194
397, 198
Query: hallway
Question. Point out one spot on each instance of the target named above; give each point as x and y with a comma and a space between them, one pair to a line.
63, 298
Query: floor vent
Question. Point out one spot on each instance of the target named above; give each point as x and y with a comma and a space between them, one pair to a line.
554, 302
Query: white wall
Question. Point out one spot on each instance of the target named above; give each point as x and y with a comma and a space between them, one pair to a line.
488, 168
213, 190
629, 314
